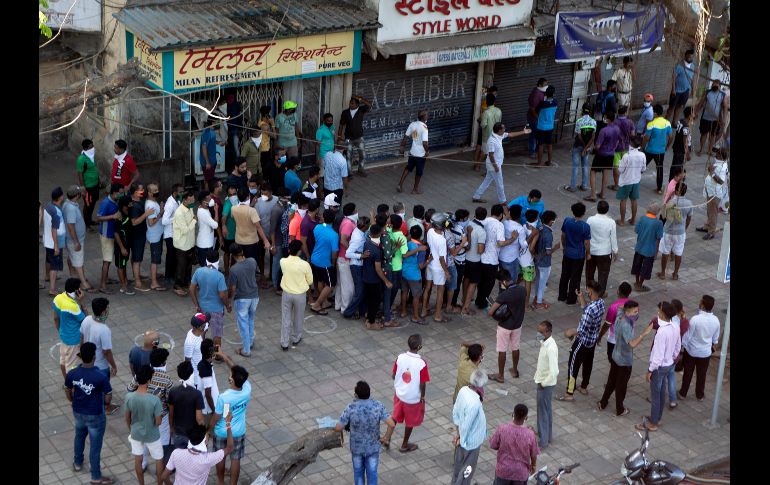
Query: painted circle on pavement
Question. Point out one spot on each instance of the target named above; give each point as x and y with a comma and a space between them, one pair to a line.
168, 345
332, 324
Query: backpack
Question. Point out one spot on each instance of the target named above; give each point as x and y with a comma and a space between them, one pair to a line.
539, 248
601, 101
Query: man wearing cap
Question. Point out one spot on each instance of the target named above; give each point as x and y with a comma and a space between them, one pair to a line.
336, 172
89, 391
352, 127
88, 178
76, 235
68, 314
646, 115
193, 340
54, 237
288, 127
208, 291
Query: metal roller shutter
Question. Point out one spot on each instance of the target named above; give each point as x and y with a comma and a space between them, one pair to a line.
397, 95
653, 75
516, 77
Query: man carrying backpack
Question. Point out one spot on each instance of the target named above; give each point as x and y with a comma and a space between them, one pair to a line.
606, 101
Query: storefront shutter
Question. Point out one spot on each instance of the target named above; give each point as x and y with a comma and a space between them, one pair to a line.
516, 77
653, 75
397, 95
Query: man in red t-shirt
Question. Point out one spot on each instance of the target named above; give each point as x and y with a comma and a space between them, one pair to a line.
124, 170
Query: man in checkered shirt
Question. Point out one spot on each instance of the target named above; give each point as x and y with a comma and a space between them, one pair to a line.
582, 352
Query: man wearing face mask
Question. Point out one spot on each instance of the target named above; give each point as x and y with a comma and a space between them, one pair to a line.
184, 241
713, 108
324, 136
336, 169
646, 115
681, 82
344, 293
192, 343
208, 292
266, 126
88, 177
193, 463
155, 234
514, 296
546, 372
228, 224
248, 230
94, 329
124, 171
107, 214
357, 253
310, 187
288, 126
169, 208
251, 152
264, 207
68, 314
76, 235
471, 423
204, 242
278, 170
138, 237
352, 131
280, 216
536, 97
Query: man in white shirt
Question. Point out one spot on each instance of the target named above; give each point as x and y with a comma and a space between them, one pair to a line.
410, 380
546, 372
495, 230
192, 343
604, 245
207, 226
168, 230
95, 330
494, 163
438, 271
699, 343
714, 190
477, 237
418, 132
630, 171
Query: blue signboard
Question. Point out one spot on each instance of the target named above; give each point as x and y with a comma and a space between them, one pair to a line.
583, 35
727, 272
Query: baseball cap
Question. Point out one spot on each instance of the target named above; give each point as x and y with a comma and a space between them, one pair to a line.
87, 351
73, 190
56, 193
648, 97
331, 201
199, 319
438, 219
289, 105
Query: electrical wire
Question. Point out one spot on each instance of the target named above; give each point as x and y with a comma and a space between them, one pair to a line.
71, 63
85, 100
58, 32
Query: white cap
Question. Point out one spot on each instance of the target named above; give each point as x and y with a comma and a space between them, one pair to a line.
331, 201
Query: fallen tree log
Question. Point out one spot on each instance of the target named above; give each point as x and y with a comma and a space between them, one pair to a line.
300, 454
53, 103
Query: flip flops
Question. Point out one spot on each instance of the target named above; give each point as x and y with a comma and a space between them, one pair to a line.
409, 447
319, 312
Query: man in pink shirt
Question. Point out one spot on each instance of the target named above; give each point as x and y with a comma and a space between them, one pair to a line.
624, 292
679, 175
346, 288
193, 463
516, 447
665, 350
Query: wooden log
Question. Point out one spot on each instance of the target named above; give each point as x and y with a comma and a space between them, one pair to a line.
300, 454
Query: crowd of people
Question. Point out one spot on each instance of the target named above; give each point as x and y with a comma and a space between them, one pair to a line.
318, 254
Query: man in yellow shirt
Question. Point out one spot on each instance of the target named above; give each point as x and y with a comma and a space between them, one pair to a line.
470, 360
184, 241
546, 372
297, 278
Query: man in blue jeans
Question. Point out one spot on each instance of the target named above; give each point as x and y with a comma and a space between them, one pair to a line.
89, 390
243, 295
665, 350
357, 255
362, 417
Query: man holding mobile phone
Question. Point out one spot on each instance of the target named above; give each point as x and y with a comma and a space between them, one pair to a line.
237, 399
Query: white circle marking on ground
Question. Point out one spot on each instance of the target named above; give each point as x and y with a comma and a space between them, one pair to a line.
165, 345
50, 351
329, 319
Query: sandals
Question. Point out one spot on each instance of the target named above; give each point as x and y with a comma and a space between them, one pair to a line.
142, 289
675, 276
103, 481
642, 289
421, 321
496, 378
568, 188
566, 398
600, 196
589, 199
470, 312
240, 352
409, 447
624, 413
158, 288
599, 406
374, 326
515, 375
319, 312
708, 236
392, 324
642, 427
443, 320
583, 391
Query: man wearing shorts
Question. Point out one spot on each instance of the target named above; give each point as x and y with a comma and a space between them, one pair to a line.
418, 132
122, 246
76, 235
138, 239
509, 330
68, 314
657, 139
155, 234
107, 214
630, 171
144, 414
325, 252
438, 269
649, 231
208, 291
713, 108
546, 115
678, 217
410, 379
527, 240
627, 130
54, 237
237, 399
681, 82
607, 142
478, 238
413, 263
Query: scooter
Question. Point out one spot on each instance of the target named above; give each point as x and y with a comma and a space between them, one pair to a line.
541, 476
637, 469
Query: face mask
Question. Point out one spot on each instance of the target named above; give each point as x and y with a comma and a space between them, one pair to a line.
542, 89
265, 198
253, 191
214, 265
375, 240
688, 64
647, 104
102, 318
201, 447
354, 218
715, 88
233, 199
72, 295
212, 203
302, 212
282, 159
190, 206
90, 153
633, 318
540, 337
257, 140
205, 327
329, 124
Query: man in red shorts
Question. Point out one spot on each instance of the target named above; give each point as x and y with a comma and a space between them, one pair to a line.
410, 377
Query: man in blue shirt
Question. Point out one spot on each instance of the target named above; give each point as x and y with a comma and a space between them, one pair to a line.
657, 139
336, 168
324, 135
291, 180
681, 82
649, 231
363, 417
68, 314
327, 245
532, 201
546, 116
208, 291
208, 151
89, 390
237, 398
576, 241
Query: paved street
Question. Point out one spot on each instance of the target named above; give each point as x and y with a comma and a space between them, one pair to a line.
292, 389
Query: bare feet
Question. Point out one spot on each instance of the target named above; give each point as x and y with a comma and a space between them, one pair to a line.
514, 373
496, 378
662, 275
675, 276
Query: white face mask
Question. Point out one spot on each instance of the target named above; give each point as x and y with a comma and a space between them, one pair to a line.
90, 153
201, 447
302, 212
647, 104
375, 240
543, 88
214, 265
265, 198
233, 199
212, 203
121, 156
688, 65
206, 327
258, 140
354, 218
72, 295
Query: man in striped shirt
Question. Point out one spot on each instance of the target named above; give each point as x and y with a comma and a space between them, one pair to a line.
468, 416
582, 352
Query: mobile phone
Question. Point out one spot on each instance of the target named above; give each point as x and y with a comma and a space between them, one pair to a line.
226, 410
216, 348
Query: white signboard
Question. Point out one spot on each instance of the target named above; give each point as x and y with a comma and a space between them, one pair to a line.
424, 60
419, 19
85, 16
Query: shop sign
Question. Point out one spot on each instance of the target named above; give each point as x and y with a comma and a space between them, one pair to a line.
418, 19
248, 63
508, 50
581, 35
